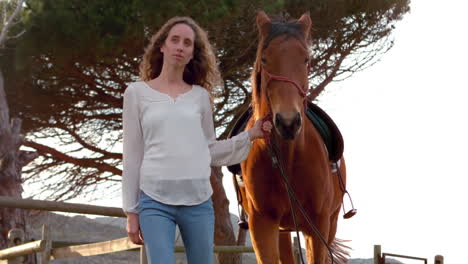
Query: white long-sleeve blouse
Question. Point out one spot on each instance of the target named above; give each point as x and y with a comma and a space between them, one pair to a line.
169, 145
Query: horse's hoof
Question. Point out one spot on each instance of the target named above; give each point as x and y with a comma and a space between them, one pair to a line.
243, 224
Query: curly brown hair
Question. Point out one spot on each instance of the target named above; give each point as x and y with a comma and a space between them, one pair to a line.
201, 70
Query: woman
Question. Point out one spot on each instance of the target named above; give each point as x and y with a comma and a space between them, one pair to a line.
169, 144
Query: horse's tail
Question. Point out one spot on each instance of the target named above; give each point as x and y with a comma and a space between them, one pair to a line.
340, 251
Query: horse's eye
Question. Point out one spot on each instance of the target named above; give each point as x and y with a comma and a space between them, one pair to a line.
263, 60
306, 61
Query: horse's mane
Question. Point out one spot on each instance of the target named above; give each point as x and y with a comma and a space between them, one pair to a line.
279, 27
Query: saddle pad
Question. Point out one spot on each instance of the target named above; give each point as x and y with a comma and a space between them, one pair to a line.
325, 126
328, 130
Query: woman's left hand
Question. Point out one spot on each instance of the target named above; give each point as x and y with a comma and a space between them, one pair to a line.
259, 129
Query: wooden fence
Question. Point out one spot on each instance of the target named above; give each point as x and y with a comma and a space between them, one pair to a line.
379, 257
48, 252
14, 255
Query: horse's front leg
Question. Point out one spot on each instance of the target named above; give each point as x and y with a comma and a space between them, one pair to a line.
285, 248
317, 252
264, 233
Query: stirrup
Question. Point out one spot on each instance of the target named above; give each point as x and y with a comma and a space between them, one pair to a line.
243, 224
351, 212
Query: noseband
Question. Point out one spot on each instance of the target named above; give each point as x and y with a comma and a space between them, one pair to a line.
302, 90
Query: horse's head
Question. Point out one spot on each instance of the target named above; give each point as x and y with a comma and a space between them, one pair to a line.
280, 74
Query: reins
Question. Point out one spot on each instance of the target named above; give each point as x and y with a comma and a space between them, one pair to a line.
275, 155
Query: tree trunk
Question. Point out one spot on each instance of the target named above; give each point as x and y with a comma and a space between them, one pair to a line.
224, 233
11, 162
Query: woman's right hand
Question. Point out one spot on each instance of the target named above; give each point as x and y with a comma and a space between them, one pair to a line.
260, 129
133, 229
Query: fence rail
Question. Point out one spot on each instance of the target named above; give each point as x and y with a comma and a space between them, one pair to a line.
93, 249
24, 249
31, 204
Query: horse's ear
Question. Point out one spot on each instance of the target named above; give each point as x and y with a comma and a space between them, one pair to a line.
263, 23
305, 23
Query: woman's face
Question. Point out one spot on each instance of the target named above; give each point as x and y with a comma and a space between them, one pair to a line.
179, 44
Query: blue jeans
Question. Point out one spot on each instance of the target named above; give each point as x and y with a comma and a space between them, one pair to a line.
158, 224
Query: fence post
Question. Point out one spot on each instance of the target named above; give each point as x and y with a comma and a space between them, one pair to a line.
45, 255
143, 258
297, 252
377, 254
15, 238
439, 259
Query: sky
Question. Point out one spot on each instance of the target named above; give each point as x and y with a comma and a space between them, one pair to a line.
404, 126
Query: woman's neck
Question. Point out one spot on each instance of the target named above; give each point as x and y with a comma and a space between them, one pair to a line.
171, 75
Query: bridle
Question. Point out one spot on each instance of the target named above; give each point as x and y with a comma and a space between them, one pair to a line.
302, 90
272, 77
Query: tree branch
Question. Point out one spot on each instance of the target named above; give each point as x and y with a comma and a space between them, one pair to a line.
86, 163
9, 22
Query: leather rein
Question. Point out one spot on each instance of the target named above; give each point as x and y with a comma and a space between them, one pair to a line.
275, 155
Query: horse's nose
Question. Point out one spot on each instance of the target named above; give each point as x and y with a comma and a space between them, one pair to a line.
288, 125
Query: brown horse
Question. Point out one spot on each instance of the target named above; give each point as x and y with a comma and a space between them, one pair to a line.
279, 82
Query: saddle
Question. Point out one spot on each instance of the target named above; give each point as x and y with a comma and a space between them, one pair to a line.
325, 126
